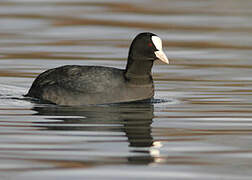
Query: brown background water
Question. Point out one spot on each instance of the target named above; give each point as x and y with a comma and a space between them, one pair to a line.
202, 131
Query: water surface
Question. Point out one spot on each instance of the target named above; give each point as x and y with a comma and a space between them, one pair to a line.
203, 128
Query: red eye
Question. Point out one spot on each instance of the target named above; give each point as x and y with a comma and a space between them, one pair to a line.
150, 44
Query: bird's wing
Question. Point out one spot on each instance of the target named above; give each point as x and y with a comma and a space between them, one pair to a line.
84, 79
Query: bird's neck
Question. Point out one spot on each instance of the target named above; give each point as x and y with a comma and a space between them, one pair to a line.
139, 71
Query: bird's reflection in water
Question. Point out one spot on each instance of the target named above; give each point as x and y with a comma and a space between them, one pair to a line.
134, 119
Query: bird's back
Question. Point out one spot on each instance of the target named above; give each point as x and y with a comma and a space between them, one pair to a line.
78, 85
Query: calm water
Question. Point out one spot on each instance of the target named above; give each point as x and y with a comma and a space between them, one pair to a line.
200, 129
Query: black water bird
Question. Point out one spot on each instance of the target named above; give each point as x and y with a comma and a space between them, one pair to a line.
81, 85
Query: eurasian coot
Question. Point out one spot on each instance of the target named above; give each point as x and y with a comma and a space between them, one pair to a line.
82, 85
